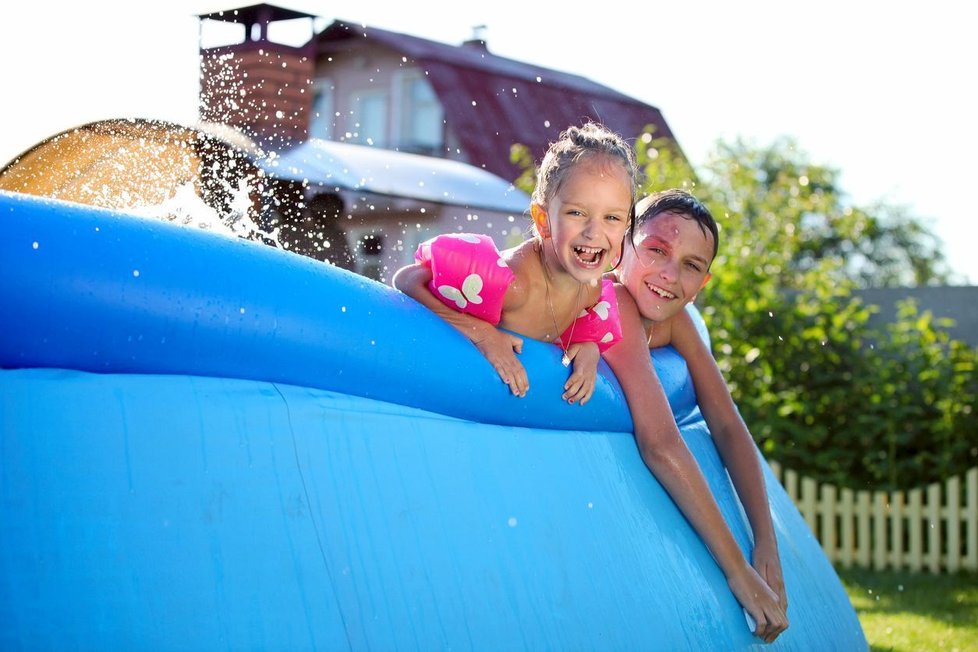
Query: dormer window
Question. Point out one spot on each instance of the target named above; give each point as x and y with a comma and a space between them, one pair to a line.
323, 123
369, 118
422, 121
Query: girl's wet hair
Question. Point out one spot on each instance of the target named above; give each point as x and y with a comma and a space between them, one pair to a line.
679, 202
575, 145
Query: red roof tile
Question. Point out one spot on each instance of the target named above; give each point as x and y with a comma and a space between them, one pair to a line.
491, 102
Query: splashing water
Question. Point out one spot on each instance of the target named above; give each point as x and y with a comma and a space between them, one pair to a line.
187, 208
196, 177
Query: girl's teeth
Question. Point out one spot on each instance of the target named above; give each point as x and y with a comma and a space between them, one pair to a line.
588, 254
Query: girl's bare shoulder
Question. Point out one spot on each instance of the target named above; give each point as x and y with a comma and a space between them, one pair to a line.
525, 265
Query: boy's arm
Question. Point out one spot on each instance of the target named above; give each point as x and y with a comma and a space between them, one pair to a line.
496, 345
666, 455
735, 445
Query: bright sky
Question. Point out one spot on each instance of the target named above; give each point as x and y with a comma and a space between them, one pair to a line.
883, 91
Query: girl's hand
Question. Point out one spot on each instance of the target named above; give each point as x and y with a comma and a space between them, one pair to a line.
500, 349
761, 603
580, 386
767, 563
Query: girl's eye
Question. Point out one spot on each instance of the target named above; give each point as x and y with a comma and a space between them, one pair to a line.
614, 218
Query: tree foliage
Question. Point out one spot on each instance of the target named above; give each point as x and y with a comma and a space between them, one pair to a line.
823, 392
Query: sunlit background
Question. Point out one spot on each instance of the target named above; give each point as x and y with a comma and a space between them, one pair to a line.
883, 91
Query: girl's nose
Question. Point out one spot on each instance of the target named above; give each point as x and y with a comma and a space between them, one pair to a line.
590, 228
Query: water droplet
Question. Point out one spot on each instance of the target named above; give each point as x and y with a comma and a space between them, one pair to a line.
135, 273
512, 521
35, 245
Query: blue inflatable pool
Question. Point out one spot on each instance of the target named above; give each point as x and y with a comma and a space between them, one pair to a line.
209, 444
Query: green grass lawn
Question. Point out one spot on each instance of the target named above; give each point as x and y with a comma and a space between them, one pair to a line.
908, 612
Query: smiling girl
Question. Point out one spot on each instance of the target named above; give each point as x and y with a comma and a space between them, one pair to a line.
550, 287
581, 209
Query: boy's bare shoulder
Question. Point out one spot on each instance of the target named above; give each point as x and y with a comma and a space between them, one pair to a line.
681, 330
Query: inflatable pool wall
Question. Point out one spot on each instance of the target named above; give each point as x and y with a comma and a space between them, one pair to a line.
206, 443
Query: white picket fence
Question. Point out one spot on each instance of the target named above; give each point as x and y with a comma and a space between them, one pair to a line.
933, 528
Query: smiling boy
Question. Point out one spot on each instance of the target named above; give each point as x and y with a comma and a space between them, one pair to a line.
664, 266
667, 263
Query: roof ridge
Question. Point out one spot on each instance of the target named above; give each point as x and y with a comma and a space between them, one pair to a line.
459, 56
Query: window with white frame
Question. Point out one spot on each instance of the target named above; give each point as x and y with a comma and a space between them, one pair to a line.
369, 118
322, 123
421, 123
370, 253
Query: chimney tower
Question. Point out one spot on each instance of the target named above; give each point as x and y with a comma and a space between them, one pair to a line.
259, 86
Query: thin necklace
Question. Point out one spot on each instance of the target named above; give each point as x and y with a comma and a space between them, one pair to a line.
564, 359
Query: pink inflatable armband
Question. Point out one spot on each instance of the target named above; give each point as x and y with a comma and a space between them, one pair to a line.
467, 273
599, 323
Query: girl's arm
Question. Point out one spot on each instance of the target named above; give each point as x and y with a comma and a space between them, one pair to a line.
498, 346
584, 375
735, 445
666, 455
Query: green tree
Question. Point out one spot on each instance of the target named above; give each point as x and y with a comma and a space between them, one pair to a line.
822, 391
777, 186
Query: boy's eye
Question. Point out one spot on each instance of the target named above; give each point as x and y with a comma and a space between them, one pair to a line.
693, 266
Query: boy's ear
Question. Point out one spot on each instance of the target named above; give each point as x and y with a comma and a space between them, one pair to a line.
706, 279
539, 215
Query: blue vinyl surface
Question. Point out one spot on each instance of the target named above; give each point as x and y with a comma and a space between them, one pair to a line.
207, 444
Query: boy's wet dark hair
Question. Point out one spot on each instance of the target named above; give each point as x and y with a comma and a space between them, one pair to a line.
682, 203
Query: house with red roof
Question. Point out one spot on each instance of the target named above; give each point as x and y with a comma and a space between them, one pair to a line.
354, 92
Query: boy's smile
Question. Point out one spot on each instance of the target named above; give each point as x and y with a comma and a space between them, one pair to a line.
668, 264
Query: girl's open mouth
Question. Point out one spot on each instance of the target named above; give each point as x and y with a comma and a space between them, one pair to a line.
589, 256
